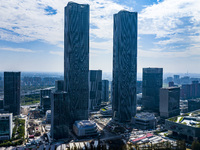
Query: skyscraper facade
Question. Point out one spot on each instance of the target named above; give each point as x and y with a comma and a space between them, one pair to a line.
59, 85
95, 89
59, 115
190, 91
152, 82
105, 90
12, 92
169, 102
76, 59
45, 102
124, 66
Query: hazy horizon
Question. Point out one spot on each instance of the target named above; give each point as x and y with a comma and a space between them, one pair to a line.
32, 34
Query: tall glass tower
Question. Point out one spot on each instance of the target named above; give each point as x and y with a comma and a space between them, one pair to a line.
124, 66
76, 59
152, 82
12, 82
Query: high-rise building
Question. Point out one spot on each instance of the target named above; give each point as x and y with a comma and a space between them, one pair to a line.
76, 59
59, 85
95, 89
190, 91
6, 126
177, 79
139, 87
169, 102
185, 91
171, 84
185, 80
59, 115
105, 90
45, 102
152, 82
1, 103
124, 66
12, 92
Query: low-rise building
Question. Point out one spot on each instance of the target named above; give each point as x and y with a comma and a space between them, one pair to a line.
48, 116
107, 111
144, 120
6, 126
187, 126
85, 128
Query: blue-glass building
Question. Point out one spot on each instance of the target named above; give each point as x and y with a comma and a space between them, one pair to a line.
76, 59
12, 82
105, 90
124, 66
95, 89
152, 82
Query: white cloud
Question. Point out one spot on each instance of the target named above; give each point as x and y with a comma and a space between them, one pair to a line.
165, 18
16, 49
26, 20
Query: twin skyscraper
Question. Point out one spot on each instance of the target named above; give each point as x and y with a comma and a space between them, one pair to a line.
76, 65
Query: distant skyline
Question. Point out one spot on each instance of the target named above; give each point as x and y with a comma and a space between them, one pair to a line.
32, 34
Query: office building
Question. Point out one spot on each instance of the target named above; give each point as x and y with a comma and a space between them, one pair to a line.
185, 80
48, 116
169, 79
6, 126
124, 66
185, 91
152, 82
169, 102
193, 104
1, 103
195, 89
190, 91
76, 59
12, 82
177, 79
95, 89
171, 84
59, 85
185, 126
105, 90
59, 115
139, 87
45, 102
85, 128
183, 106
144, 120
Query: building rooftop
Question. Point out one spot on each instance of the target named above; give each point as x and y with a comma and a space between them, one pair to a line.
5, 114
168, 88
189, 119
145, 116
85, 123
48, 111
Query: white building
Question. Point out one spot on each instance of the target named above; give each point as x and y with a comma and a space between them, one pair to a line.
145, 120
85, 128
6, 126
48, 116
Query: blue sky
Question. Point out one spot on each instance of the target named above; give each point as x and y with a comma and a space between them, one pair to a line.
31, 34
